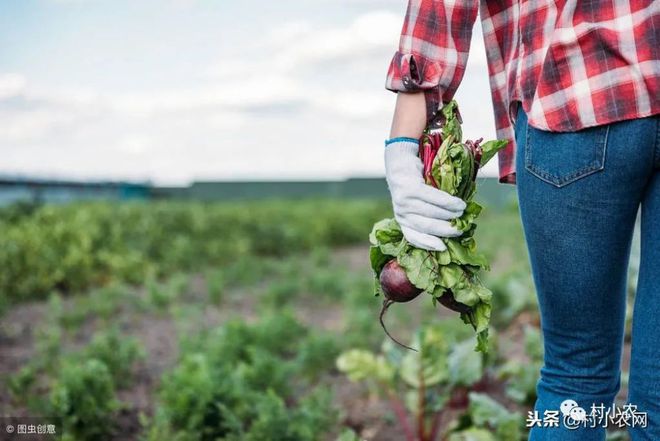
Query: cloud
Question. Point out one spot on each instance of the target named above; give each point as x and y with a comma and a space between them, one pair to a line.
11, 85
369, 33
301, 101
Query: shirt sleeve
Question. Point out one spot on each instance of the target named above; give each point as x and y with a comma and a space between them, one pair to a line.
433, 50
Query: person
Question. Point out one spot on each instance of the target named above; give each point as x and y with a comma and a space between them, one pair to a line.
575, 90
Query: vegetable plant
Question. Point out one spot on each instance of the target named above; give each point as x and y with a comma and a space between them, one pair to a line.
488, 420
84, 396
424, 387
449, 276
247, 382
521, 378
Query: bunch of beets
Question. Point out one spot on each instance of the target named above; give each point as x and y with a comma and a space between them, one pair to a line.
403, 271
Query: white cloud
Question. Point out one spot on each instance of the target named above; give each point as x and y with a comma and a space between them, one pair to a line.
301, 102
295, 45
25, 126
11, 84
136, 145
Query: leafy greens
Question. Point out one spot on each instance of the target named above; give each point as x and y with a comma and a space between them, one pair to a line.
450, 165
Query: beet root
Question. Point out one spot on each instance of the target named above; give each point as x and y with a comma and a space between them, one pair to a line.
395, 283
448, 301
397, 288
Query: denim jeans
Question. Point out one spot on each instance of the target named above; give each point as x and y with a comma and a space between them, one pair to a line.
579, 196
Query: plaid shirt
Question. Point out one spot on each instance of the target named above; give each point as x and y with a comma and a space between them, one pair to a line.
571, 63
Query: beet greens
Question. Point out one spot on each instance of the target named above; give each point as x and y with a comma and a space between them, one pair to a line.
450, 276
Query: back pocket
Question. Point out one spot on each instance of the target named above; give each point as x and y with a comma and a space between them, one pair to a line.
560, 158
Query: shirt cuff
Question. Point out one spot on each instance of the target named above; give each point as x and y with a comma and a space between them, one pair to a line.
413, 73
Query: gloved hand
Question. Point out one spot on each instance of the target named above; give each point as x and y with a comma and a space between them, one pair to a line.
422, 211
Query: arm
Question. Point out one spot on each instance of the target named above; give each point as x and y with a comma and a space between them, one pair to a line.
426, 70
409, 115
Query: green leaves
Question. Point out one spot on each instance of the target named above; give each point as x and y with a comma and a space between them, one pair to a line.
246, 382
429, 366
473, 434
453, 170
377, 258
487, 412
84, 394
420, 268
452, 126
488, 420
359, 365
465, 365
522, 377
445, 358
385, 231
463, 255
490, 148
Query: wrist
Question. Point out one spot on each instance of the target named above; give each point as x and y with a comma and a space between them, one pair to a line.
401, 148
401, 139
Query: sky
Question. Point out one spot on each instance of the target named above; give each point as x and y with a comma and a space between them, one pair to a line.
172, 91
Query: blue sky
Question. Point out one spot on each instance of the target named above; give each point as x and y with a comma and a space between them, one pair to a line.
177, 90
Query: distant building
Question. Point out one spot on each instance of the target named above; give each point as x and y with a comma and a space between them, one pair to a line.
57, 191
232, 190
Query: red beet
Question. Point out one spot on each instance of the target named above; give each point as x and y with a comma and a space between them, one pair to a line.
447, 300
395, 283
397, 289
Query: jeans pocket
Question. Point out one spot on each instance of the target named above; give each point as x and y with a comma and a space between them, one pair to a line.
561, 158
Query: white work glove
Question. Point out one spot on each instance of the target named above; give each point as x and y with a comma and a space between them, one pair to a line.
422, 211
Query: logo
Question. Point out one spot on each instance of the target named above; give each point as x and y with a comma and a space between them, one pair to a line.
573, 416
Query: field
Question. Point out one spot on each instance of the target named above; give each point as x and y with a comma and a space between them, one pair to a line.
251, 321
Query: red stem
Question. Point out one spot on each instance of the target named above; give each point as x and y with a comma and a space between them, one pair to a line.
435, 428
421, 407
400, 412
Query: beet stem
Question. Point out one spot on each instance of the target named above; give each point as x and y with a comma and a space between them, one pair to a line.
383, 310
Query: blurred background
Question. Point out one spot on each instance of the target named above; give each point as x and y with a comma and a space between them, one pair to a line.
186, 193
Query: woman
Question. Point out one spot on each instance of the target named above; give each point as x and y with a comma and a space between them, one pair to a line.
576, 90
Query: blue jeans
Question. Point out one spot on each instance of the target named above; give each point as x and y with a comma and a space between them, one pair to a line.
579, 196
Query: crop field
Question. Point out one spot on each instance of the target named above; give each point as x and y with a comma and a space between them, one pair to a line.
251, 321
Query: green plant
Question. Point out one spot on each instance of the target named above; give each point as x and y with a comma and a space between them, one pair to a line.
513, 293
488, 420
73, 247
216, 285
20, 383
348, 435
419, 385
116, 351
246, 382
328, 282
449, 276
522, 376
84, 396
280, 292
316, 352
160, 295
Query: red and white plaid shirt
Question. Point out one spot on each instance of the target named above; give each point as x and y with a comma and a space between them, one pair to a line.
572, 63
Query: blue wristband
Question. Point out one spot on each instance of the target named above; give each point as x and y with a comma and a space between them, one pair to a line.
401, 139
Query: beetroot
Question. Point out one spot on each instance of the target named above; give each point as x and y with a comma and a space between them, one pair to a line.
448, 164
447, 300
395, 283
397, 288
